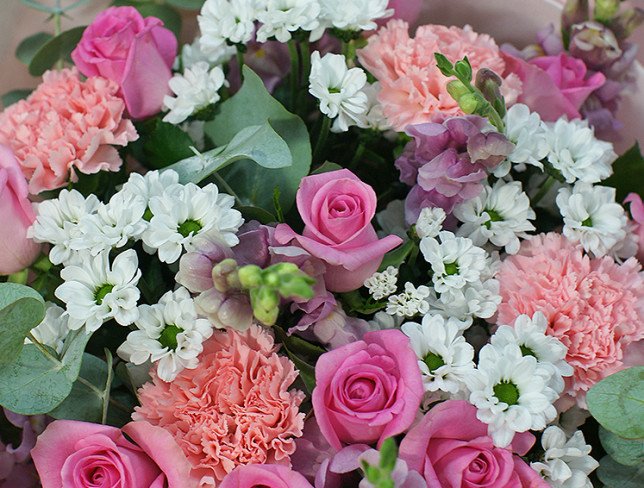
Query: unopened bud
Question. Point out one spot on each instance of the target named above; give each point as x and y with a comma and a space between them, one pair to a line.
457, 89
489, 83
468, 103
605, 10
626, 22
250, 276
297, 286
574, 12
265, 302
225, 276
595, 44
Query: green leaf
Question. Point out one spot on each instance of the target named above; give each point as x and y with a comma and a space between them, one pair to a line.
163, 144
326, 167
615, 475
357, 303
21, 309
291, 344
256, 213
187, 4
57, 48
444, 65
396, 257
617, 403
14, 96
253, 105
170, 17
628, 452
627, 173
27, 49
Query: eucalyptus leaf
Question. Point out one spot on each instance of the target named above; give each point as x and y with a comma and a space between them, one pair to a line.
57, 48
326, 167
162, 143
21, 309
627, 173
629, 452
259, 214
615, 475
27, 49
14, 96
397, 256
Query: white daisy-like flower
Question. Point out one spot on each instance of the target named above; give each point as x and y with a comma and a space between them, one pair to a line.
383, 284
226, 21
455, 261
374, 115
591, 217
57, 222
151, 184
510, 393
501, 215
184, 212
194, 53
412, 302
281, 17
195, 89
169, 333
96, 290
382, 320
354, 14
479, 299
444, 356
566, 462
54, 328
430, 222
339, 90
577, 153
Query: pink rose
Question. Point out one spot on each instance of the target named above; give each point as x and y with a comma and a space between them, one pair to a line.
134, 52
81, 454
264, 475
367, 390
450, 448
637, 212
17, 251
337, 209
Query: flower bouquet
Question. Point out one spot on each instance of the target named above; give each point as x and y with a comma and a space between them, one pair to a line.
320, 245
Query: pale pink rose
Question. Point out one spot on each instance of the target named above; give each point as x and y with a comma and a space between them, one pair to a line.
451, 449
637, 212
136, 53
17, 251
81, 454
337, 209
367, 390
264, 476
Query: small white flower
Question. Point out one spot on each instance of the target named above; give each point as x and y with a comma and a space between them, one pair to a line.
223, 21
194, 53
566, 463
430, 222
168, 332
445, 357
576, 153
95, 290
53, 329
354, 14
183, 212
410, 303
374, 115
381, 285
151, 184
382, 320
479, 299
196, 89
281, 17
592, 218
339, 90
500, 215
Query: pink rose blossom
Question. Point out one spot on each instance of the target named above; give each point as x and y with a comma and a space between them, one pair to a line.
134, 52
81, 454
637, 212
17, 251
264, 476
593, 306
234, 409
367, 390
66, 125
337, 209
451, 448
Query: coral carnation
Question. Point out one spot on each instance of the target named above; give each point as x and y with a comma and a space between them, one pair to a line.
66, 125
412, 87
594, 306
233, 409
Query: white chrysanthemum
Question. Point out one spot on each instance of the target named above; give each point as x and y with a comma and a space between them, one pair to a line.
510, 393
194, 53
95, 291
339, 90
501, 215
168, 332
151, 184
445, 357
374, 115
566, 462
57, 222
455, 261
591, 217
183, 212
281, 17
195, 89
383, 284
382, 320
576, 153
226, 21
53, 329
430, 222
354, 14
412, 302
479, 299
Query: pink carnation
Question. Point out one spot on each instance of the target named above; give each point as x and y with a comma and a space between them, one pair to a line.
233, 409
594, 306
412, 87
66, 125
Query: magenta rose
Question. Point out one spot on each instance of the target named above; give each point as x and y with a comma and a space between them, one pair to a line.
83, 455
367, 390
136, 53
337, 209
17, 251
451, 449
264, 476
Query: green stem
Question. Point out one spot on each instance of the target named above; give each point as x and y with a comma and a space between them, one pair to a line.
545, 188
89, 385
295, 72
108, 386
42, 349
322, 138
358, 155
240, 63
349, 51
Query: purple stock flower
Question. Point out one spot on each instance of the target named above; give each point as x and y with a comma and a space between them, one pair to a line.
16, 468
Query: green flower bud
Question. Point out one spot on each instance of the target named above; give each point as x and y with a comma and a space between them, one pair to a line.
574, 12
463, 69
265, 302
489, 83
468, 103
225, 275
457, 89
626, 22
250, 276
605, 10
300, 286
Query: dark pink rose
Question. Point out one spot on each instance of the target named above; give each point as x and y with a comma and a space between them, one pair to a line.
264, 476
451, 449
337, 209
85, 455
367, 390
136, 53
